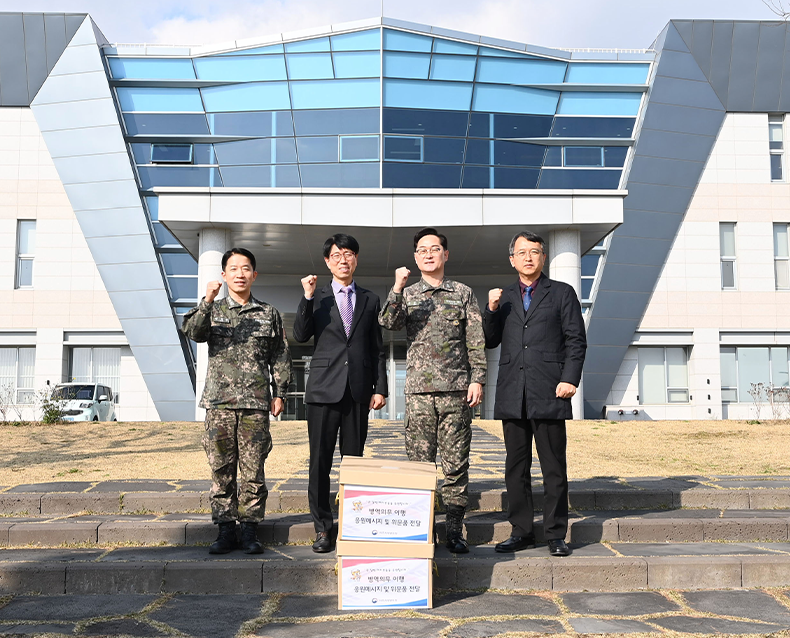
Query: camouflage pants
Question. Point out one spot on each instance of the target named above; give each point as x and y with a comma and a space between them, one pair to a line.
237, 443
442, 421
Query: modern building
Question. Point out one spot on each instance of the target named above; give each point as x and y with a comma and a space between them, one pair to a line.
656, 176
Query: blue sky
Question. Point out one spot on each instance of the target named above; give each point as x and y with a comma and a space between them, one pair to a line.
553, 23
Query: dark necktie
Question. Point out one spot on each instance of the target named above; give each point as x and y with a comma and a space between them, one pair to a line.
527, 298
347, 309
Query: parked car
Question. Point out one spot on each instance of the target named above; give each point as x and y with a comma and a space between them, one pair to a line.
85, 401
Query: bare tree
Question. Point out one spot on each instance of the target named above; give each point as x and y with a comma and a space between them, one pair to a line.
779, 7
756, 391
7, 399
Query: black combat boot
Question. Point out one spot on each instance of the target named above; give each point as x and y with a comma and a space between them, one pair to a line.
226, 541
249, 538
454, 526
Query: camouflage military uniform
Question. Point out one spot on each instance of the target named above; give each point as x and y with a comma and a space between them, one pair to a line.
444, 330
244, 344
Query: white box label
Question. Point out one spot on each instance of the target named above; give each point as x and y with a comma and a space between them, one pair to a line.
386, 514
373, 583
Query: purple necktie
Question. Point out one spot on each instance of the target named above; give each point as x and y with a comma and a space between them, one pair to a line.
347, 310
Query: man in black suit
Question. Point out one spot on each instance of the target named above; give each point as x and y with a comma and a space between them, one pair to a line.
348, 372
539, 323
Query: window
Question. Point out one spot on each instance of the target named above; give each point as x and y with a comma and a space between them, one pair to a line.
776, 146
17, 372
742, 367
171, 153
663, 375
589, 269
403, 149
97, 365
781, 257
25, 253
727, 247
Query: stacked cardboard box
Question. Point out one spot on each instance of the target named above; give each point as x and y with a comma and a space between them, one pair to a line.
385, 543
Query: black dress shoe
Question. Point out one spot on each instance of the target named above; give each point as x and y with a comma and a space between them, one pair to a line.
323, 543
558, 548
516, 544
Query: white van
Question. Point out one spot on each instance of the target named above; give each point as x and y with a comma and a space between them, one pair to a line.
85, 401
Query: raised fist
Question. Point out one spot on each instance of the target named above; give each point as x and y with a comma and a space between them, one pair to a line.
494, 295
308, 283
401, 277
212, 290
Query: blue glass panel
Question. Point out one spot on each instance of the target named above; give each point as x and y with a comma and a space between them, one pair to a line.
286, 176
615, 155
241, 123
179, 264
270, 96
284, 151
355, 149
553, 156
151, 176
171, 153
508, 126
272, 48
357, 41
317, 149
245, 152
415, 122
335, 94
182, 287
152, 201
508, 71
406, 175
514, 99
165, 124
406, 65
590, 265
587, 285
444, 150
336, 122
163, 236
449, 46
583, 103
481, 124
427, 95
593, 127
148, 98
579, 178
310, 66
141, 153
403, 149
453, 67
315, 45
607, 73
500, 53
152, 68
518, 154
478, 177
203, 154
242, 68
402, 41
247, 176
516, 177
583, 156
363, 64
354, 175
479, 152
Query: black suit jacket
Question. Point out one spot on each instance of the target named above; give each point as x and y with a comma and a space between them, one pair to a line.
359, 360
539, 350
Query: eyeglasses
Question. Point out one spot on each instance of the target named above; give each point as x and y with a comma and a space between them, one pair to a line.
434, 250
534, 252
347, 255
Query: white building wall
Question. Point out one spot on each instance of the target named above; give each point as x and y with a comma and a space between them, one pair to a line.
735, 187
68, 293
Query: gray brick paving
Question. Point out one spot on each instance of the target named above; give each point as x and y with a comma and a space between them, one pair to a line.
690, 624
755, 605
306, 606
209, 616
37, 629
636, 603
49, 608
123, 627
487, 628
688, 549
378, 627
467, 604
609, 626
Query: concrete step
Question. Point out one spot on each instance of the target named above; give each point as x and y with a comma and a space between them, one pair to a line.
591, 567
674, 526
488, 498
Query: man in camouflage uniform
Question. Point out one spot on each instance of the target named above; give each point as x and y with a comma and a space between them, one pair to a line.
446, 369
248, 374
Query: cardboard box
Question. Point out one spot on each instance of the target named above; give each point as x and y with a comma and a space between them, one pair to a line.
373, 575
384, 500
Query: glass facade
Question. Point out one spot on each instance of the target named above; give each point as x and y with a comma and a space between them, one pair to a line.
378, 108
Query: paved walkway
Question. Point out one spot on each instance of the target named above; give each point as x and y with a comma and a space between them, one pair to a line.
463, 614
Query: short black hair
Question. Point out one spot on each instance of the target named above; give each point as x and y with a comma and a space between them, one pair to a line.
430, 231
342, 241
238, 251
529, 236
